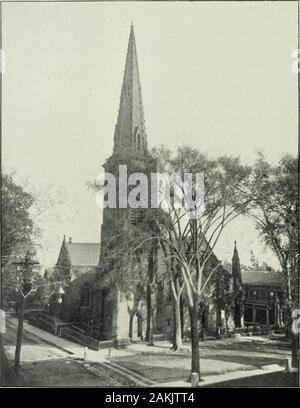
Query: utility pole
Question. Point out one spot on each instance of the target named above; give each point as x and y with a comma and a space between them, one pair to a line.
19, 334
24, 291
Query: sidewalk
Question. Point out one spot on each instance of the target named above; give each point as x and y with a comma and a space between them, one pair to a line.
72, 349
220, 378
75, 351
94, 362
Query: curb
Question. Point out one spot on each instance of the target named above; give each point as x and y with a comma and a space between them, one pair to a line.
130, 376
131, 373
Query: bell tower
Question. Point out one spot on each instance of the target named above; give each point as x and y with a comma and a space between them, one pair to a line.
130, 149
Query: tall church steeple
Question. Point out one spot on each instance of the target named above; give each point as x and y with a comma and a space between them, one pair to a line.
130, 132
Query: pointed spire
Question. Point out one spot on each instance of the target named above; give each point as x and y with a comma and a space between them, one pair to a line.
236, 267
235, 257
130, 132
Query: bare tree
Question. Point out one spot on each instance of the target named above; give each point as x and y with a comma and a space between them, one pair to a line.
191, 240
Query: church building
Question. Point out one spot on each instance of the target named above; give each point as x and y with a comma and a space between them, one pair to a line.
124, 316
94, 297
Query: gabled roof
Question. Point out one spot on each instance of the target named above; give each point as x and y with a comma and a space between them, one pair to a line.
83, 254
263, 277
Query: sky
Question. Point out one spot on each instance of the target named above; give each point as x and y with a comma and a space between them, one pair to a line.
215, 75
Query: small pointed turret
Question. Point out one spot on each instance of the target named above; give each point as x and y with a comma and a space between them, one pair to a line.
236, 268
130, 132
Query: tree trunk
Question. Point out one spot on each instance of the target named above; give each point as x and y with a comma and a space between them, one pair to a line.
288, 284
182, 315
226, 322
237, 314
218, 320
130, 325
177, 325
149, 329
195, 366
174, 326
19, 334
152, 268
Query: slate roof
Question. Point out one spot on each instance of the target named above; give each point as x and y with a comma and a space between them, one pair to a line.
83, 254
262, 278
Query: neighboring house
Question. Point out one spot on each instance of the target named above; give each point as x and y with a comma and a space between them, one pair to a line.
263, 297
257, 295
76, 270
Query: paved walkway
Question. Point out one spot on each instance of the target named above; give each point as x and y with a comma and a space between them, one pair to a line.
72, 349
229, 376
43, 364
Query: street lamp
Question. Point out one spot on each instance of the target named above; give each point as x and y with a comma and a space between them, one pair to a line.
60, 292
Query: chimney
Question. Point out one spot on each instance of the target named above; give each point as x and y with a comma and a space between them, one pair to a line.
70, 240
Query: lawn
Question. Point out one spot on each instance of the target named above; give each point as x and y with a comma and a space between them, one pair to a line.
157, 368
165, 368
64, 373
215, 358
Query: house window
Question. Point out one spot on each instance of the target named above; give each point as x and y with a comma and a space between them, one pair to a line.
254, 294
85, 296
